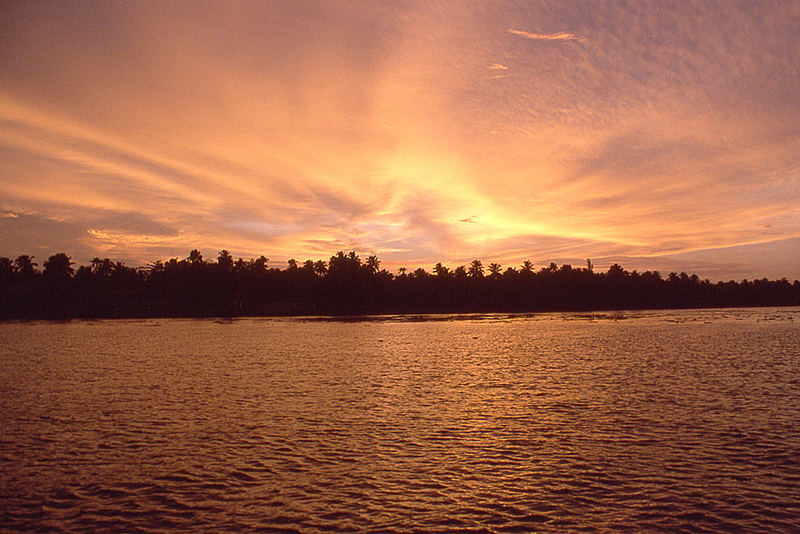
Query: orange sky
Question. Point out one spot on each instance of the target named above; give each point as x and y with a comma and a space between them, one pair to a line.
658, 136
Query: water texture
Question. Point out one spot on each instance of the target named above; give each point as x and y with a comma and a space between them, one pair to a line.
646, 421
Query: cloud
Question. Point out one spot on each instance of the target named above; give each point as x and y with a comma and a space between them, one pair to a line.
92, 233
42, 237
560, 36
772, 259
379, 129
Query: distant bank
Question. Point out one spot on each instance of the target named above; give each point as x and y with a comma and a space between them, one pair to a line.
346, 285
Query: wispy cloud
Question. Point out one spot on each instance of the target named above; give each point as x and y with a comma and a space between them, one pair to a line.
560, 36
331, 144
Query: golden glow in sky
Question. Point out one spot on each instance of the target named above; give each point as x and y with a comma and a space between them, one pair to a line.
662, 137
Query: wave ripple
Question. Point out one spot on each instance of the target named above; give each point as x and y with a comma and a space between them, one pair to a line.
672, 422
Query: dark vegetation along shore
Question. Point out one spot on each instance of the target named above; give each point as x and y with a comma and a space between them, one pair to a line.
346, 285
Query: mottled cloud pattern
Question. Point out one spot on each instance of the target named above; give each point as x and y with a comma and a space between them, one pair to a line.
663, 137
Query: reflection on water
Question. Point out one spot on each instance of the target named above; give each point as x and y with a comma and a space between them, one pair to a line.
649, 421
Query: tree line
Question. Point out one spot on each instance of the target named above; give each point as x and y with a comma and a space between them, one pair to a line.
348, 285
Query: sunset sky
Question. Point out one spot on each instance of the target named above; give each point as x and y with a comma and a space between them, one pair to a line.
660, 135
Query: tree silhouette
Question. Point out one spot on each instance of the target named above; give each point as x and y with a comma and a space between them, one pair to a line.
58, 266
476, 269
225, 260
195, 258
344, 285
373, 264
320, 268
6, 268
260, 265
102, 267
25, 265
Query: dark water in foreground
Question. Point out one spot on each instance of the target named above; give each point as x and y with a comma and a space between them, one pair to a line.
652, 421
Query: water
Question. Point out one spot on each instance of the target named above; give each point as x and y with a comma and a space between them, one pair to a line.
646, 421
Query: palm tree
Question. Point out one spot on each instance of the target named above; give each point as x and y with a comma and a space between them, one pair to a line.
616, 271
373, 264
527, 266
342, 263
476, 269
195, 257
102, 267
401, 271
260, 265
441, 270
225, 260
494, 269
320, 267
59, 266
155, 267
6, 266
25, 265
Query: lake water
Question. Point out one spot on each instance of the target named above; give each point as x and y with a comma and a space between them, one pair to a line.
634, 421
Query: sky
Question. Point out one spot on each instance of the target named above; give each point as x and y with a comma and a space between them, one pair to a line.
658, 135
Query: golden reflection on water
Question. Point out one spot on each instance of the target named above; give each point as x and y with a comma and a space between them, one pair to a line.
628, 421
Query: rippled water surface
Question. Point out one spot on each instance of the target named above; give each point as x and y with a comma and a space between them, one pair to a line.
644, 421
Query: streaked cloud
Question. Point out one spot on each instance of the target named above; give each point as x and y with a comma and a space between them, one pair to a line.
560, 36
143, 130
